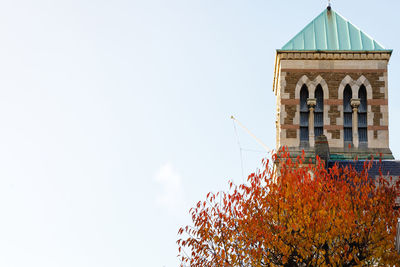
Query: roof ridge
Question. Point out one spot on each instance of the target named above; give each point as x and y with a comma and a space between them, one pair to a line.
330, 31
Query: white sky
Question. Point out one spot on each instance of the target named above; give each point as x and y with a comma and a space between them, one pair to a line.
114, 116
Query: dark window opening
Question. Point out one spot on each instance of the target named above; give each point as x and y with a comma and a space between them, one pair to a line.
319, 112
362, 115
347, 115
304, 114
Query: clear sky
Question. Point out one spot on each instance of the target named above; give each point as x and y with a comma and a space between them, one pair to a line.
114, 116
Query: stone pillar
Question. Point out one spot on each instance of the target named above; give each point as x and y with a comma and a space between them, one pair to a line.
355, 103
322, 149
311, 102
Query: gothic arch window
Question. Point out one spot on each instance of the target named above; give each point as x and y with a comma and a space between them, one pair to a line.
304, 114
362, 115
319, 112
347, 115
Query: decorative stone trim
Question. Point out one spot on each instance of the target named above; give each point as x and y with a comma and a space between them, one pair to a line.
355, 86
311, 102
381, 102
355, 103
290, 101
290, 126
312, 86
377, 128
335, 70
339, 55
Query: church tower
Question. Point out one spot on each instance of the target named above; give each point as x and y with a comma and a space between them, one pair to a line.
331, 80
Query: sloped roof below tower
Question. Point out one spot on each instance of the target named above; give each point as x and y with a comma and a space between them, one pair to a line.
377, 167
329, 31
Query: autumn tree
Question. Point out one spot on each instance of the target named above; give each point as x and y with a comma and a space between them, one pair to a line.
295, 214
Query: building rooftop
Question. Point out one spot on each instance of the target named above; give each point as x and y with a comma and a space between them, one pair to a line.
330, 31
384, 167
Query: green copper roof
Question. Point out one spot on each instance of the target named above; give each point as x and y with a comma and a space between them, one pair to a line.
332, 32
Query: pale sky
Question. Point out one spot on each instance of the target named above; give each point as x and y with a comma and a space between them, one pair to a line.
114, 116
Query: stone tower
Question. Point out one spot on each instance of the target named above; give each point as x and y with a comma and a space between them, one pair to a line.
331, 79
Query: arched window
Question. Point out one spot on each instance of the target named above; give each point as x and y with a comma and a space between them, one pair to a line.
319, 112
362, 115
347, 116
304, 115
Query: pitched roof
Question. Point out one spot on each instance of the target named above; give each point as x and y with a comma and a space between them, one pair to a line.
329, 31
386, 167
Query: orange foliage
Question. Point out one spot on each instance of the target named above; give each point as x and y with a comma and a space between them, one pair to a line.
300, 215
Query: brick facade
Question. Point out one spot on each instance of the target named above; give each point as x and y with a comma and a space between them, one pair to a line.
333, 76
333, 80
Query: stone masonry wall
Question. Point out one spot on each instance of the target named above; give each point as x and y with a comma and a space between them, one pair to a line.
333, 124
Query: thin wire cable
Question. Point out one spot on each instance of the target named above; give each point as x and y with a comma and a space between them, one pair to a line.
250, 133
240, 149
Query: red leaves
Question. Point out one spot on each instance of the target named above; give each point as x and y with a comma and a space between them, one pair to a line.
300, 213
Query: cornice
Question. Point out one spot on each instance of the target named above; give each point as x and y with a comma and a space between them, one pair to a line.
333, 55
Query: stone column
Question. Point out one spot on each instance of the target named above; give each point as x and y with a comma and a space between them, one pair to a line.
355, 103
311, 102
